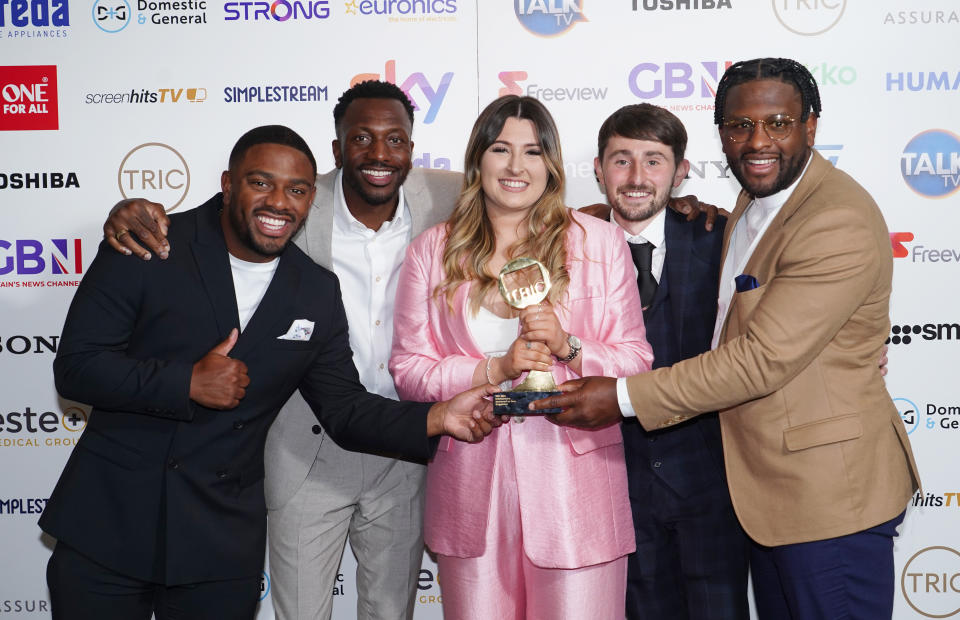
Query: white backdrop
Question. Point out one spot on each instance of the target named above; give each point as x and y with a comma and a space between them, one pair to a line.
110, 98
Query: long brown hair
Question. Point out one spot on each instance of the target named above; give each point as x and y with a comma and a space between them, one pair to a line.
470, 238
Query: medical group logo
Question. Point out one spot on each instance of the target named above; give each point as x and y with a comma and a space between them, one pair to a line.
34, 19
930, 582
405, 11
28, 95
29, 427
549, 18
808, 18
276, 11
154, 171
930, 163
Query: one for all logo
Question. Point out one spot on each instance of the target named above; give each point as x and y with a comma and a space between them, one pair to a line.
930, 163
29, 98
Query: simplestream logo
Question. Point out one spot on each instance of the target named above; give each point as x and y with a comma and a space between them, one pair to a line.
549, 18
29, 98
429, 95
930, 163
906, 333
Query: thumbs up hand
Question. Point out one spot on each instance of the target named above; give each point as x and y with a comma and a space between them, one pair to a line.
218, 382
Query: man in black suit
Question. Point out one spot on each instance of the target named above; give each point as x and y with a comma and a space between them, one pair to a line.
691, 558
160, 507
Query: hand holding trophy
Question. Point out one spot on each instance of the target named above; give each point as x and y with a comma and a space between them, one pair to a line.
525, 282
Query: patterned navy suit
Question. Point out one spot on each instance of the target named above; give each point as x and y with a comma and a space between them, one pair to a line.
691, 558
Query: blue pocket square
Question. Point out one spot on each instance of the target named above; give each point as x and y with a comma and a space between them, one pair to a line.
745, 283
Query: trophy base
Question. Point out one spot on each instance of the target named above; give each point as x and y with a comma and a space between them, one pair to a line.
516, 403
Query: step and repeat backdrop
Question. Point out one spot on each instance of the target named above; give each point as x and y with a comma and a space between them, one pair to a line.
106, 99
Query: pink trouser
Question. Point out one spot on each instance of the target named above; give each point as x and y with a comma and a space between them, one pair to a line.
503, 584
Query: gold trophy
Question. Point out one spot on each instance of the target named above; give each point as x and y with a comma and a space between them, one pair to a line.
525, 282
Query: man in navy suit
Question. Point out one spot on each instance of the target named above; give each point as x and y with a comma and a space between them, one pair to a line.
160, 508
691, 558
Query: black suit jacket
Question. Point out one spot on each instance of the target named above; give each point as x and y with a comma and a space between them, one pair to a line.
159, 487
679, 324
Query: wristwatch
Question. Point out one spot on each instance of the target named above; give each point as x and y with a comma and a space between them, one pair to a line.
575, 347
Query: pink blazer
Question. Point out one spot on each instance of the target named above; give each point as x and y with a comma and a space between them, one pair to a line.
572, 483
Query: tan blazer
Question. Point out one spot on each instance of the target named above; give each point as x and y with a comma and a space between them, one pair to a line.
814, 446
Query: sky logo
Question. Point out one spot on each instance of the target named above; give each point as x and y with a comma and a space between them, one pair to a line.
548, 18
930, 163
433, 96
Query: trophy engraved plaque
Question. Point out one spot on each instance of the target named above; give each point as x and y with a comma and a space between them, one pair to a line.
525, 282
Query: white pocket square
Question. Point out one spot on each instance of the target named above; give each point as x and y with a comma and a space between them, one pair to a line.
300, 329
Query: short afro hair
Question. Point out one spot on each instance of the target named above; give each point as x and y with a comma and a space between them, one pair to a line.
369, 89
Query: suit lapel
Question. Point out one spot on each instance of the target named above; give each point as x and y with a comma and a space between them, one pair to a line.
677, 268
213, 264
316, 237
272, 317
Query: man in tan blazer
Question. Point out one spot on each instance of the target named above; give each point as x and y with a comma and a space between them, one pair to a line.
818, 462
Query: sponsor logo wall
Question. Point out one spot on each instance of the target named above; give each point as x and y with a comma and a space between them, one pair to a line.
113, 99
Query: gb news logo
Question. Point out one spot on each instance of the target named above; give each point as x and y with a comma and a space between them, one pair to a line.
930, 582
31, 428
40, 259
930, 163
154, 171
29, 97
548, 18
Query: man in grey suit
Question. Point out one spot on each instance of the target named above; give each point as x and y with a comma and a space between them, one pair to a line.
363, 216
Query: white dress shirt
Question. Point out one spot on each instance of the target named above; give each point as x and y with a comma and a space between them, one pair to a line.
746, 234
654, 233
367, 262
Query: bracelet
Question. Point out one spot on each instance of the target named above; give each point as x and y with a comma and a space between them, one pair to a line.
489, 378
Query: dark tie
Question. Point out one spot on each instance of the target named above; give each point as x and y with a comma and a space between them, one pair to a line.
643, 258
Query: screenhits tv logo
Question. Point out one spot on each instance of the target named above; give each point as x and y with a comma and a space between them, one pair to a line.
930, 163
430, 95
29, 98
549, 18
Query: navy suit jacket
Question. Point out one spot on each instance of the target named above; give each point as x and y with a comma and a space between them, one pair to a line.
679, 323
158, 487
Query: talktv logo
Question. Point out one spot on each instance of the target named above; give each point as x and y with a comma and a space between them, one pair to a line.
549, 18
36, 13
28, 257
430, 96
278, 11
29, 98
512, 86
677, 80
930, 163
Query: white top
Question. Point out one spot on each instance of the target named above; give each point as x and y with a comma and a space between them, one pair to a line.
367, 262
492, 334
250, 282
747, 233
654, 233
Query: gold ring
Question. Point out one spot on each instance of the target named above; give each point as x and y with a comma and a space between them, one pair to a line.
120, 234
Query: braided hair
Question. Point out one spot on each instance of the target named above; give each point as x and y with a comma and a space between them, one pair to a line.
782, 69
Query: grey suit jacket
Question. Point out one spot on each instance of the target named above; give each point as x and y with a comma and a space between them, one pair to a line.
292, 445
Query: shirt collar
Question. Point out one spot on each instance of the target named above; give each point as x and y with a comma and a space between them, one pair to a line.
653, 232
775, 202
344, 220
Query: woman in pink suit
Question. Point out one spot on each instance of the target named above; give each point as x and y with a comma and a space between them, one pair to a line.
533, 522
